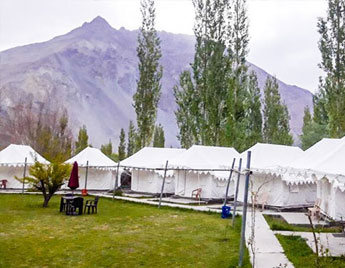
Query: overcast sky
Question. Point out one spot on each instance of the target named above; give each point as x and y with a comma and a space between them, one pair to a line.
283, 33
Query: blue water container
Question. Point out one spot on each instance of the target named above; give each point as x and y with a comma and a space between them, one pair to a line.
226, 212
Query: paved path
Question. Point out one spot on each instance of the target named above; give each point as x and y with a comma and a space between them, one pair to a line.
297, 218
335, 245
268, 251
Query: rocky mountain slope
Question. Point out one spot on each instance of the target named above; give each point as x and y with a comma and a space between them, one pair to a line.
92, 71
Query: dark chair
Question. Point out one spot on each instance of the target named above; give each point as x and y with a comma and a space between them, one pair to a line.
74, 205
91, 204
63, 202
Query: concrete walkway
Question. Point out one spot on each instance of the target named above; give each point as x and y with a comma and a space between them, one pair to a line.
264, 249
334, 244
297, 218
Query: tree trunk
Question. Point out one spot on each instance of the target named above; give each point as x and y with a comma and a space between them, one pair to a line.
46, 200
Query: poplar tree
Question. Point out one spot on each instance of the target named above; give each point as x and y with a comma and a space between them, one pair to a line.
107, 149
214, 98
187, 113
202, 93
312, 130
158, 138
332, 48
237, 42
276, 116
131, 139
150, 73
253, 116
83, 140
122, 145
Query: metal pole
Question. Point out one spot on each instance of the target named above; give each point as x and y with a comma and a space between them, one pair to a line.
86, 173
24, 174
165, 174
116, 179
228, 185
236, 192
244, 216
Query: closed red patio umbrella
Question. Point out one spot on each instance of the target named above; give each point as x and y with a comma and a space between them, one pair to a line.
73, 182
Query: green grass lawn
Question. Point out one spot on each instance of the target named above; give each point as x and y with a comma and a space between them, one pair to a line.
122, 234
301, 255
279, 224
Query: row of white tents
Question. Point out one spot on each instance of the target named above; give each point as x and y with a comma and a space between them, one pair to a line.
282, 176
14, 159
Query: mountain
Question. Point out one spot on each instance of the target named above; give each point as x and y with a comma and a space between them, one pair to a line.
92, 72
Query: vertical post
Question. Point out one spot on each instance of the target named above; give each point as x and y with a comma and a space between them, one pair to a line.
244, 216
236, 192
228, 185
116, 179
24, 173
86, 173
165, 174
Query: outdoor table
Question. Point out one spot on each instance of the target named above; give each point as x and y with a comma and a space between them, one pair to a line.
69, 200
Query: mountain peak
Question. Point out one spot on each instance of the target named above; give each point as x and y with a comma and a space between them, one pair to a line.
98, 23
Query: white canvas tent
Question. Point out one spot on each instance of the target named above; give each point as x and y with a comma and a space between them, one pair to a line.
12, 162
329, 169
101, 169
267, 181
196, 166
323, 164
142, 164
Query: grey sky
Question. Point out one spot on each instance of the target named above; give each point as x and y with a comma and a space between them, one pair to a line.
283, 32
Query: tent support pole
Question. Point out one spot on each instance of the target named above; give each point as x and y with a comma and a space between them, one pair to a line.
116, 179
24, 174
86, 173
165, 174
244, 215
236, 192
228, 184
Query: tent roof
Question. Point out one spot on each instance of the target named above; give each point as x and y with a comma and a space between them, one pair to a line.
95, 157
332, 162
205, 157
15, 155
270, 155
314, 154
151, 157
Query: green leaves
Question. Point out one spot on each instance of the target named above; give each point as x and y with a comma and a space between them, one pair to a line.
122, 145
83, 140
158, 138
330, 105
276, 116
47, 178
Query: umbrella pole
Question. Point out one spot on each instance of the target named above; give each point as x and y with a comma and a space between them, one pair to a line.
24, 174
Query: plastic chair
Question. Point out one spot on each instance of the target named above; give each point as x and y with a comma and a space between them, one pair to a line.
197, 193
91, 204
314, 212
